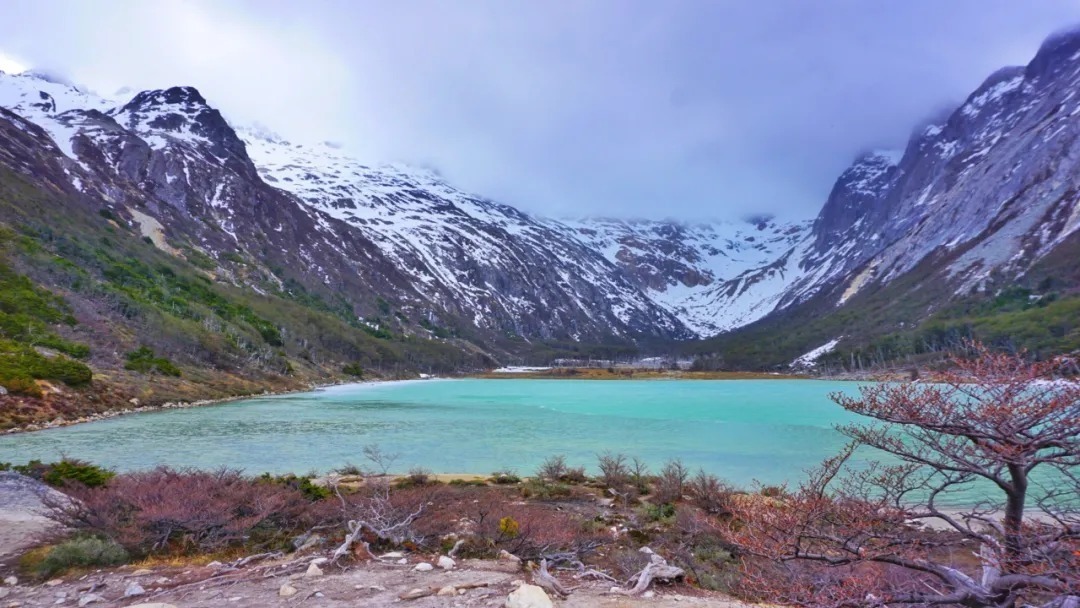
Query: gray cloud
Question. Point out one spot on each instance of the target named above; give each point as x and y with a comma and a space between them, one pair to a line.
691, 109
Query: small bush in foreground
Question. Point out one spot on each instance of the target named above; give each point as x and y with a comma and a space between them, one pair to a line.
67, 470
169, 511
88, 552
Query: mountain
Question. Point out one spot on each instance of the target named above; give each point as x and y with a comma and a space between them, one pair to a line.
496, 267
908, 242
979, 203
714, 277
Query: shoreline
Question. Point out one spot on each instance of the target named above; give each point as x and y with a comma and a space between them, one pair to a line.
179, 405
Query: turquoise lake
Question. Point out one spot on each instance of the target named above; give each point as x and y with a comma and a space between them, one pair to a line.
741, 430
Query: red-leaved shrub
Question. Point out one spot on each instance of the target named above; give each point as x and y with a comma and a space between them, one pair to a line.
180, 511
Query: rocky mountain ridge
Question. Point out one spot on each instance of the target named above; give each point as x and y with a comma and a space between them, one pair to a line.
971, 203
444, 256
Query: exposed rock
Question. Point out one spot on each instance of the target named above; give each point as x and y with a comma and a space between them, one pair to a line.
287, 590
447, 591
446, 563
142, 572
11, 580
90, 598
313, 571
528, 596
134, 590
424, 567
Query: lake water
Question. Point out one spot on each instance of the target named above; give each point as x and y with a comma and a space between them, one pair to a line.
741, 430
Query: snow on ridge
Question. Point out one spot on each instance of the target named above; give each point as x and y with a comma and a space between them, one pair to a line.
809, 359
733, 266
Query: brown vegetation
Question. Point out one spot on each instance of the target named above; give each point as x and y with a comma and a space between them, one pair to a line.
850, 536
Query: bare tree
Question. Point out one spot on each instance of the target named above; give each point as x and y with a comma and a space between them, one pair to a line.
1000, 434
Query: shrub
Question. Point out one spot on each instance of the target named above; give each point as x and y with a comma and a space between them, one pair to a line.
20, 365
670, 484
180, 511
145, 361
639, 475
353, 369
505, 477
86, 552
773, 491
303, 484
663, 512
613, 470
67, 470
418, 476
575, 475
349, 469
709, 493
85, 473
542, 490
464, 483
552, 469
509, 527
22, 386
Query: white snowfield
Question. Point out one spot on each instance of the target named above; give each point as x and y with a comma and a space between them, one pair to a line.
809, 359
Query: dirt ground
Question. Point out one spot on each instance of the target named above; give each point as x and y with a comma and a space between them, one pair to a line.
368, 584
371, 584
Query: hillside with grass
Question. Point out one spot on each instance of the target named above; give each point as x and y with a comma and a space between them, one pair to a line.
93, 316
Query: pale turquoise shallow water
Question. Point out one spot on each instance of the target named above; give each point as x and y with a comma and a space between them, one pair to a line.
741, 430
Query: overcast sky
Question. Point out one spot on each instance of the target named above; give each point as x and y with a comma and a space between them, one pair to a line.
687, 109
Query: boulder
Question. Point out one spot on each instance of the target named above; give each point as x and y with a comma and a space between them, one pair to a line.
424, 567
134, 590
447, 591
313, 570
90, 598
528, 596
446, 563
287, 590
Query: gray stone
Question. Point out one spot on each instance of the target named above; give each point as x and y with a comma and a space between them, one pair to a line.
446, 563
287, 590
424, 567
90, 598
134, 590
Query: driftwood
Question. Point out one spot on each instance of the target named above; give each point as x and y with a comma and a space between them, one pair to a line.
416, 594
543, 579
657, 569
